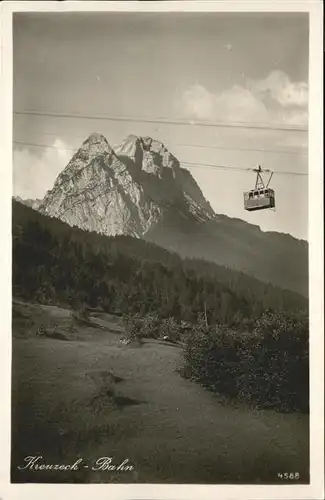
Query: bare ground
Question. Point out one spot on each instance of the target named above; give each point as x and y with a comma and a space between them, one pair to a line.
86, 395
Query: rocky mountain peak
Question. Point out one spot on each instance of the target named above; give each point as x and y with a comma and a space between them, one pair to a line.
96, 144
93, 148
96, 138
124, 191
147, 154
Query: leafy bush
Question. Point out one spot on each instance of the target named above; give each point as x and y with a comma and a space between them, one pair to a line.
150, 326
277, 362
211, 357
171, 329
132, 327
268, 367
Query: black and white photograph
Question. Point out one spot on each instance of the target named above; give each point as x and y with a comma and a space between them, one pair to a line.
160, 234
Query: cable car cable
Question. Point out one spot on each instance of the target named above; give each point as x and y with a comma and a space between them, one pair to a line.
224, 167
185, 163
200, 123
24, 143
204, 146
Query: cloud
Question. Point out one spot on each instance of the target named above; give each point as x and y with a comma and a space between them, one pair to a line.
35, 169
198, 102
275, 99
235, 104
278, 85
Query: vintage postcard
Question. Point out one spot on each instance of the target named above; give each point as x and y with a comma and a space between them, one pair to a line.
162, 228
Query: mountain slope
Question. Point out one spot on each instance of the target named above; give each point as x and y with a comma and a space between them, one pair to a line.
29, 202
55, 263
271, 257
139, 189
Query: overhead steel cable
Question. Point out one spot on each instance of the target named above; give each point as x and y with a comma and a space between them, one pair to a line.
236, 148
227, 167
184, 163
204, 146
198, 123
33, 144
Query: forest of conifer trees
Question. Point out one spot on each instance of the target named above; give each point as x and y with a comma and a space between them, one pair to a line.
54, 263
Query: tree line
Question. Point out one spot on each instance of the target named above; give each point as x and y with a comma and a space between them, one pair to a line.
53, 262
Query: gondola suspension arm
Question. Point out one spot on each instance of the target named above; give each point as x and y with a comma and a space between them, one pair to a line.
267, 185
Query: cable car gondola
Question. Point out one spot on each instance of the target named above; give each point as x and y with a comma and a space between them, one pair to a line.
261, 197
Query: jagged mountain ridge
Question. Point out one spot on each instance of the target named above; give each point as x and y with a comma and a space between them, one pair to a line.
140, 189
125, 191
29, 202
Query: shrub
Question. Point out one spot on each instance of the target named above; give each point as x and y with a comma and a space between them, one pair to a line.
268, 367
150, 326
132, 327
276, 363
212, 358
171, 329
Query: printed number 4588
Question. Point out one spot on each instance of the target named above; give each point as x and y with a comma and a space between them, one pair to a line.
288, 475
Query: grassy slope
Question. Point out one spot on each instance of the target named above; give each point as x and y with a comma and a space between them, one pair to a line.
66, 405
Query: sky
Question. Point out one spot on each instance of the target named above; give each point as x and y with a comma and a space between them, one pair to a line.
246, 70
